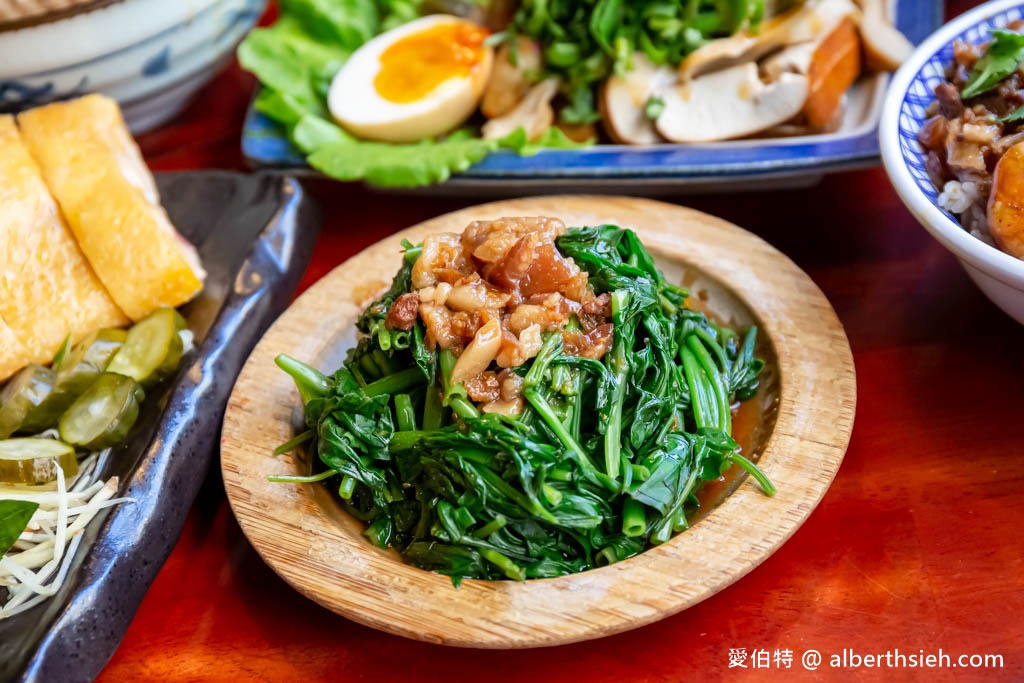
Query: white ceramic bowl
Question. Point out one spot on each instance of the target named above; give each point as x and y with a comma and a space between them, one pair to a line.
149, 55
999, 275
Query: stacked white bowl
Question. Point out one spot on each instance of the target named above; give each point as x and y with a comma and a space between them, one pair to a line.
149, 55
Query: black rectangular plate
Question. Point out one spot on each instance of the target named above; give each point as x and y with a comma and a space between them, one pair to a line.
255, 235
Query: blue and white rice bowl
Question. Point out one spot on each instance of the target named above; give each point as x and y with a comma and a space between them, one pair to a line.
999, 275
149, 55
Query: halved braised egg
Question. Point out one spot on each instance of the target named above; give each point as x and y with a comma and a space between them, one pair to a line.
415, 81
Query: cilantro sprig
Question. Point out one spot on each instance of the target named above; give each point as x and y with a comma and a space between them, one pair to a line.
1005, 51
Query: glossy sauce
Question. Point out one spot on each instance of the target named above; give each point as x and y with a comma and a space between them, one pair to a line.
414, 65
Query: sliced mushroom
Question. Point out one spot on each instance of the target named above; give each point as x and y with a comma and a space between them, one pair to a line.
623, 102
885, 48
729, 104
534, 114
804, 23
479, 354
509, 81
726, 52
794, 60
831, 64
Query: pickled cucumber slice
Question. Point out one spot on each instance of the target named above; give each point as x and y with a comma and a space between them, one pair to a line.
102, 416
33, 461
152, 349
76, 372
97, 349
24, 392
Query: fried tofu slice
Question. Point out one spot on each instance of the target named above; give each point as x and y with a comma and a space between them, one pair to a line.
834, 67
110, 201
12, 352
47, 288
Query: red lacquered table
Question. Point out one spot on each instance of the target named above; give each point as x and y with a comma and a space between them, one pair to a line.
916, 547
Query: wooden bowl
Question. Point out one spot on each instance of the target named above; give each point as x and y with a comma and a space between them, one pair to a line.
805, 416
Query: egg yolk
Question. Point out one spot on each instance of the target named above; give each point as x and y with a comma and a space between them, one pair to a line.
413, 66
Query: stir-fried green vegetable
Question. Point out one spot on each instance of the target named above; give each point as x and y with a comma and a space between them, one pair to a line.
585, 41
604, 461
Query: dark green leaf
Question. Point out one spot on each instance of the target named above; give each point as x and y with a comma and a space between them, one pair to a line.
446, 559
14, 517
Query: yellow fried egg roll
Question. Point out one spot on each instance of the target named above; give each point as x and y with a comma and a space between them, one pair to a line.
47, 288
96, 172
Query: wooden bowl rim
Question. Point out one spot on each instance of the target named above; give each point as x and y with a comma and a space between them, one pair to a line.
349, 576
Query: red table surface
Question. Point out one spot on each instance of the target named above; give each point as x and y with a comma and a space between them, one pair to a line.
916, 546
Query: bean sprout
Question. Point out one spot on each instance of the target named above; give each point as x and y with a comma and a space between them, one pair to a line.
38, 564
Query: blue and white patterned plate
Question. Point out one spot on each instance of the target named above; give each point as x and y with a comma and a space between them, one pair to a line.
743, 164
999, 275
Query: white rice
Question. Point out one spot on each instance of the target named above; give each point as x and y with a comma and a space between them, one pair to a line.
957, 197
966, 201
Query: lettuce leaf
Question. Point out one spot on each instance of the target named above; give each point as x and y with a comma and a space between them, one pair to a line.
346, 23
334, 152
289, 61
412, 165
282, 107
299, 55
312, 132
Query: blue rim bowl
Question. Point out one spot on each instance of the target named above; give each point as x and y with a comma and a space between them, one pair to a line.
998, 274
